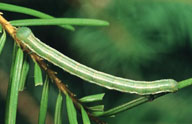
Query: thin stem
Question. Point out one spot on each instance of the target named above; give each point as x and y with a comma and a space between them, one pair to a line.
123, 107
185, 83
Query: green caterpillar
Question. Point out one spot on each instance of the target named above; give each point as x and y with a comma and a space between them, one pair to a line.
26, 36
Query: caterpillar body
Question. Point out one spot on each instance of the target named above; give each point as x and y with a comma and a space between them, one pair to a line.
25, 35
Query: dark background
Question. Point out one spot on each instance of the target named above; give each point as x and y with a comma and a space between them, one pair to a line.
146, 40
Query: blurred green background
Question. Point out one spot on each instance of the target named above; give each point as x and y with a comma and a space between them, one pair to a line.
146, 40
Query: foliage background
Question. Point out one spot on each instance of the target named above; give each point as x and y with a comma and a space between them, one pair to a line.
146, 40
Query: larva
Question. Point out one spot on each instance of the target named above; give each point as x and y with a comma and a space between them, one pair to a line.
26, 36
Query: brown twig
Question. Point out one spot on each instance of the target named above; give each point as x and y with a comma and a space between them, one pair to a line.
52, 75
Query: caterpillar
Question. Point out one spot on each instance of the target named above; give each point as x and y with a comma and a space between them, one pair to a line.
25, 35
